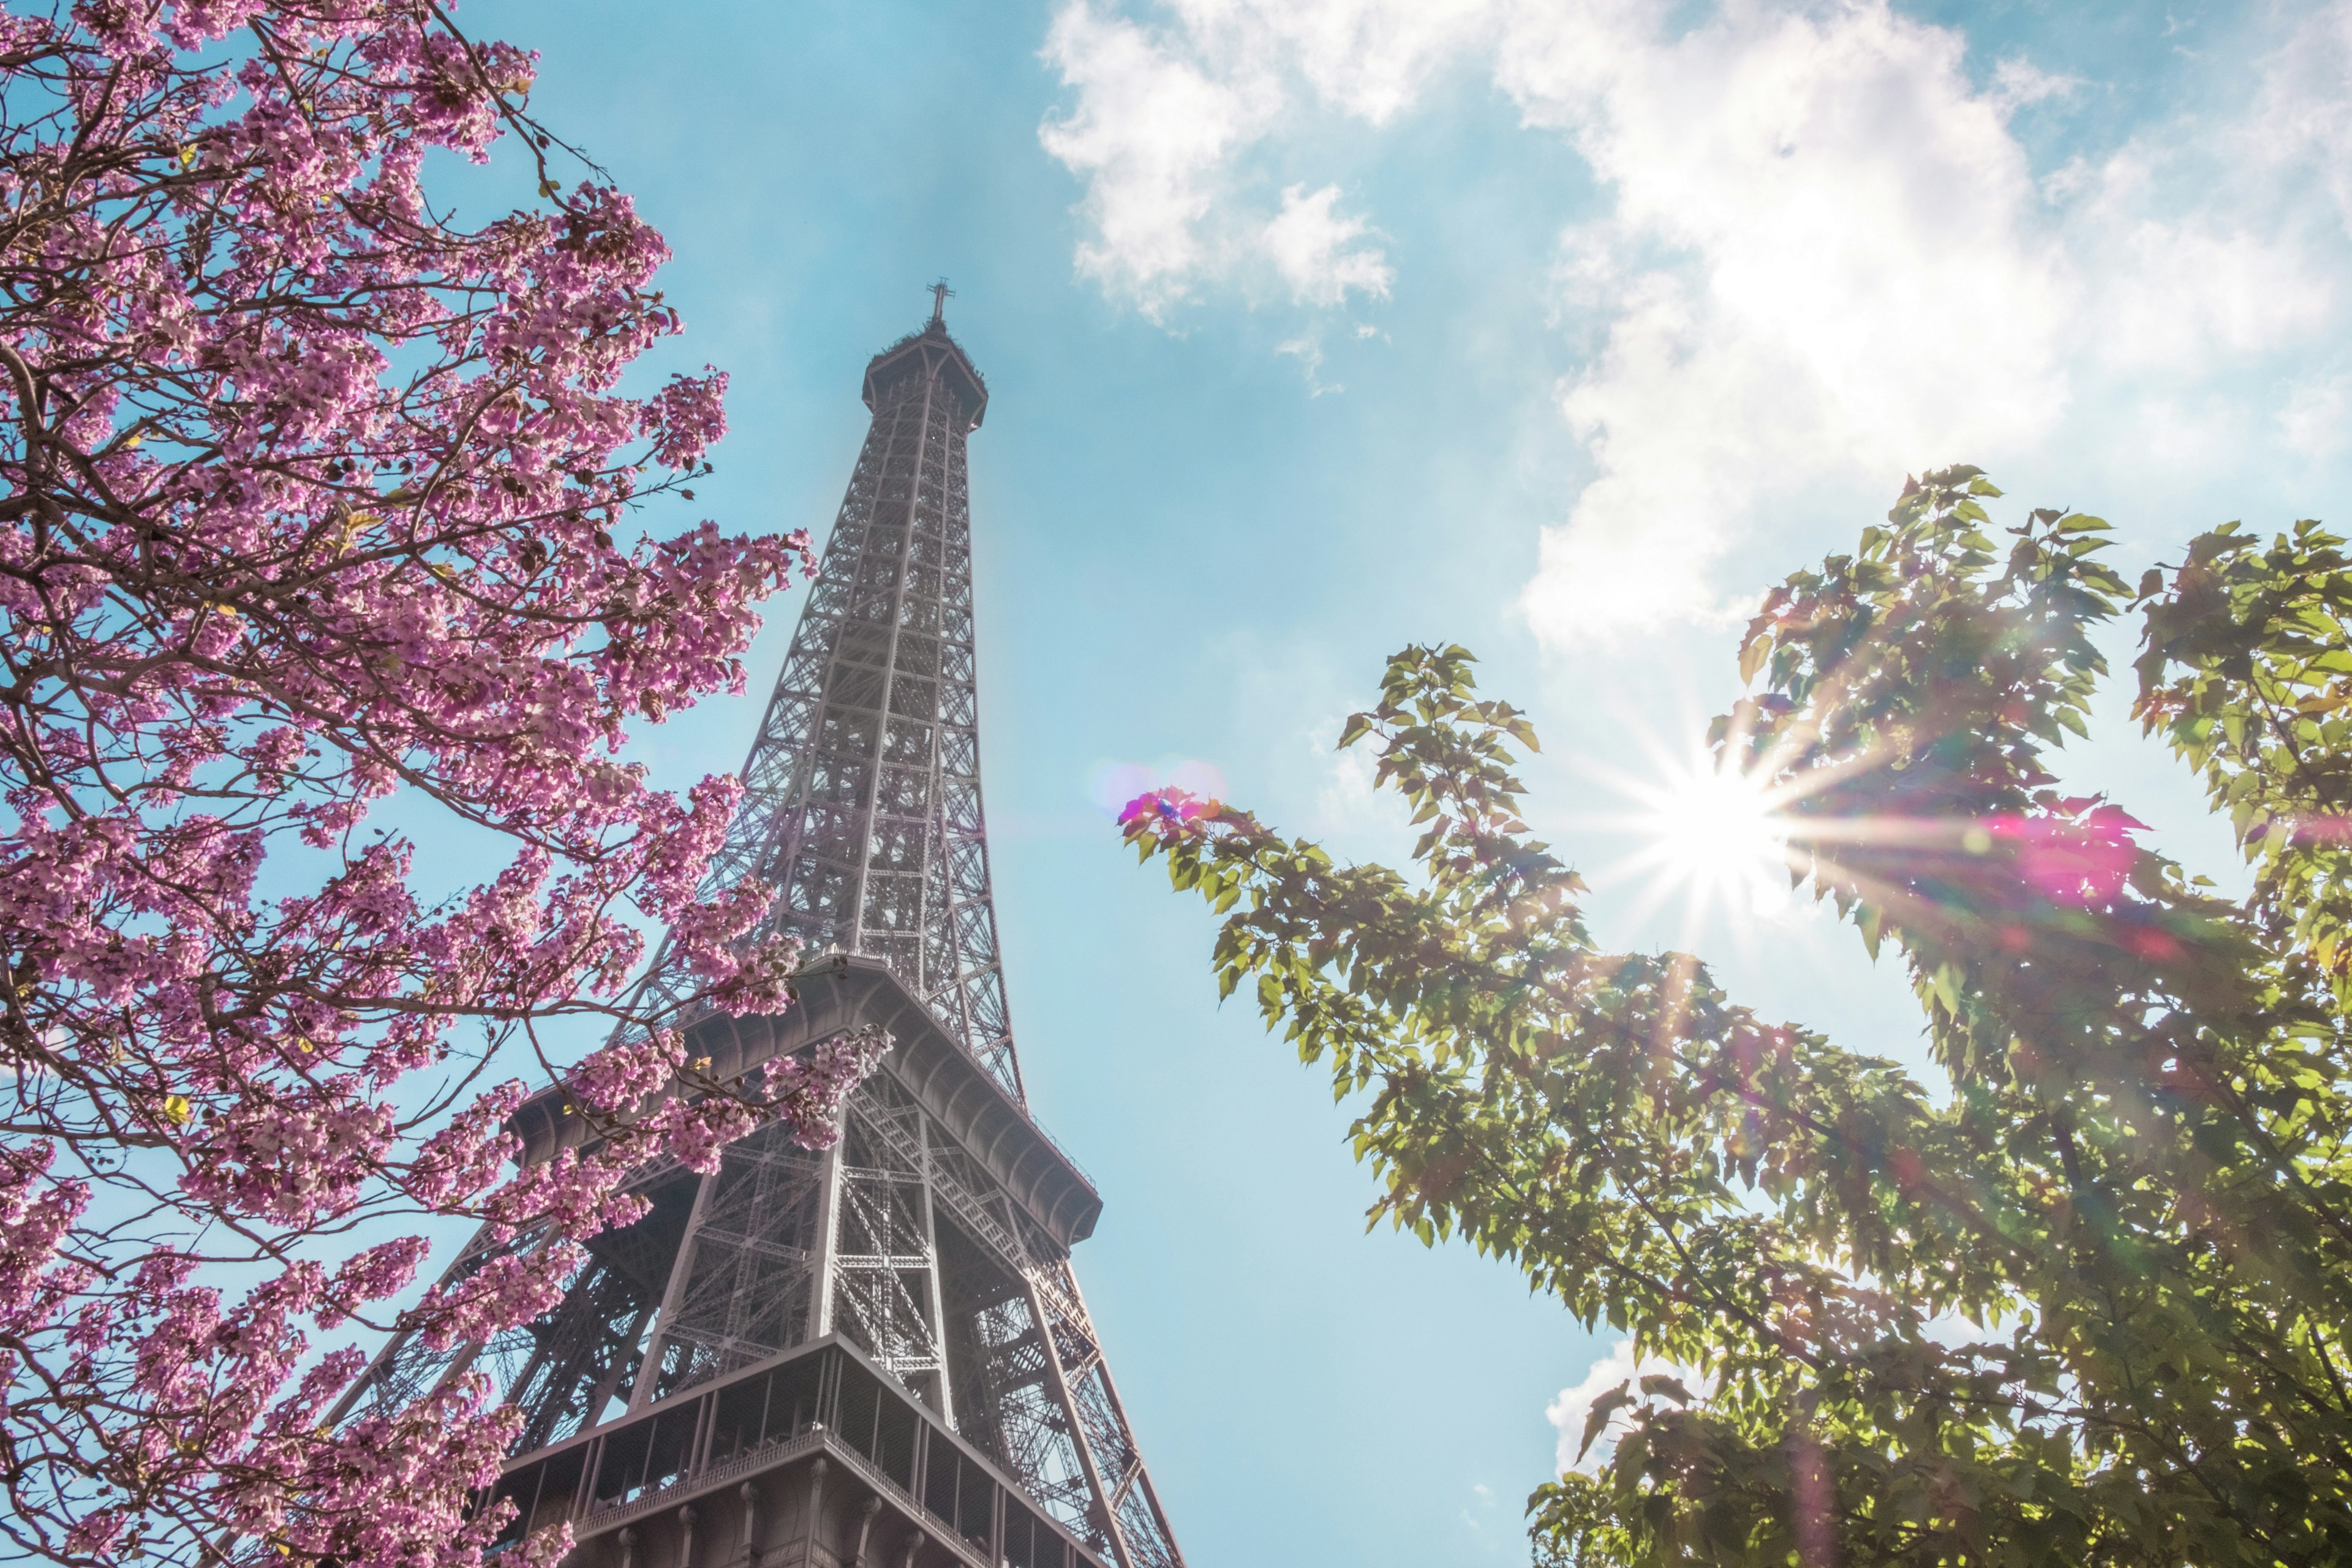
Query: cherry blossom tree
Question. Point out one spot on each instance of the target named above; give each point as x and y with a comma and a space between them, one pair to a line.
318, 505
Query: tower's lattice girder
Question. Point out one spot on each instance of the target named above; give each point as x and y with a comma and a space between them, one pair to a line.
862, 802
862, 807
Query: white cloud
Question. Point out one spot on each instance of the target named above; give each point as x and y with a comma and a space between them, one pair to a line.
2311, 421
1163, 114
1825, 259
1149, 133
2304, 110
1369, 59
2177, 296
1818, 267
1317, 252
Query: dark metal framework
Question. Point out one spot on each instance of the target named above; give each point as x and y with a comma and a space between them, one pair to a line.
932, 1242
862, 791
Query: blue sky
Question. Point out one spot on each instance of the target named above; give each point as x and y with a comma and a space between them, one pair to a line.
1556, 330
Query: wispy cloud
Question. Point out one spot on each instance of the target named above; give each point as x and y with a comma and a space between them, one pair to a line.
2312, 422
2018, 83
1493, 1531
1309, 355
1349, 804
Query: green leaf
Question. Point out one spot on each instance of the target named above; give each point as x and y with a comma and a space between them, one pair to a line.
1596, 1420
1655, 1386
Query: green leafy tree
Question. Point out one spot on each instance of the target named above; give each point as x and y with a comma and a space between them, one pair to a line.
2131, 1190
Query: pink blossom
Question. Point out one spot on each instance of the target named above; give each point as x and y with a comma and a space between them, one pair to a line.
309, 497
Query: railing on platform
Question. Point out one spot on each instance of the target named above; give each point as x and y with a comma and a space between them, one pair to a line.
826, 1395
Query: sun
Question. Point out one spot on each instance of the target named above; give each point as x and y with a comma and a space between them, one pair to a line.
1716, 834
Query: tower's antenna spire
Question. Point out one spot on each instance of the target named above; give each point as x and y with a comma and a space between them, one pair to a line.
941, 295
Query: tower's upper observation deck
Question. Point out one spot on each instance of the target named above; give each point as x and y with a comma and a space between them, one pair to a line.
928, 355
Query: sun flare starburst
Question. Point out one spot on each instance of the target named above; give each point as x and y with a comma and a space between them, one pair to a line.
1715, 836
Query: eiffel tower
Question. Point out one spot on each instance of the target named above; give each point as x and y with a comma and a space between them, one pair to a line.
876, 1356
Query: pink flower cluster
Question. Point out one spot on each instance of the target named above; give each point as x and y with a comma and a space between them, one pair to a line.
807, 1090
309, 497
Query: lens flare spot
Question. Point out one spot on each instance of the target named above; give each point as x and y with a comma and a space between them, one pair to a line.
1113, 785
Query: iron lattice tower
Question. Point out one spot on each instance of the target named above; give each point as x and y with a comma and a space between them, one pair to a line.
877, 1353
862, 791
